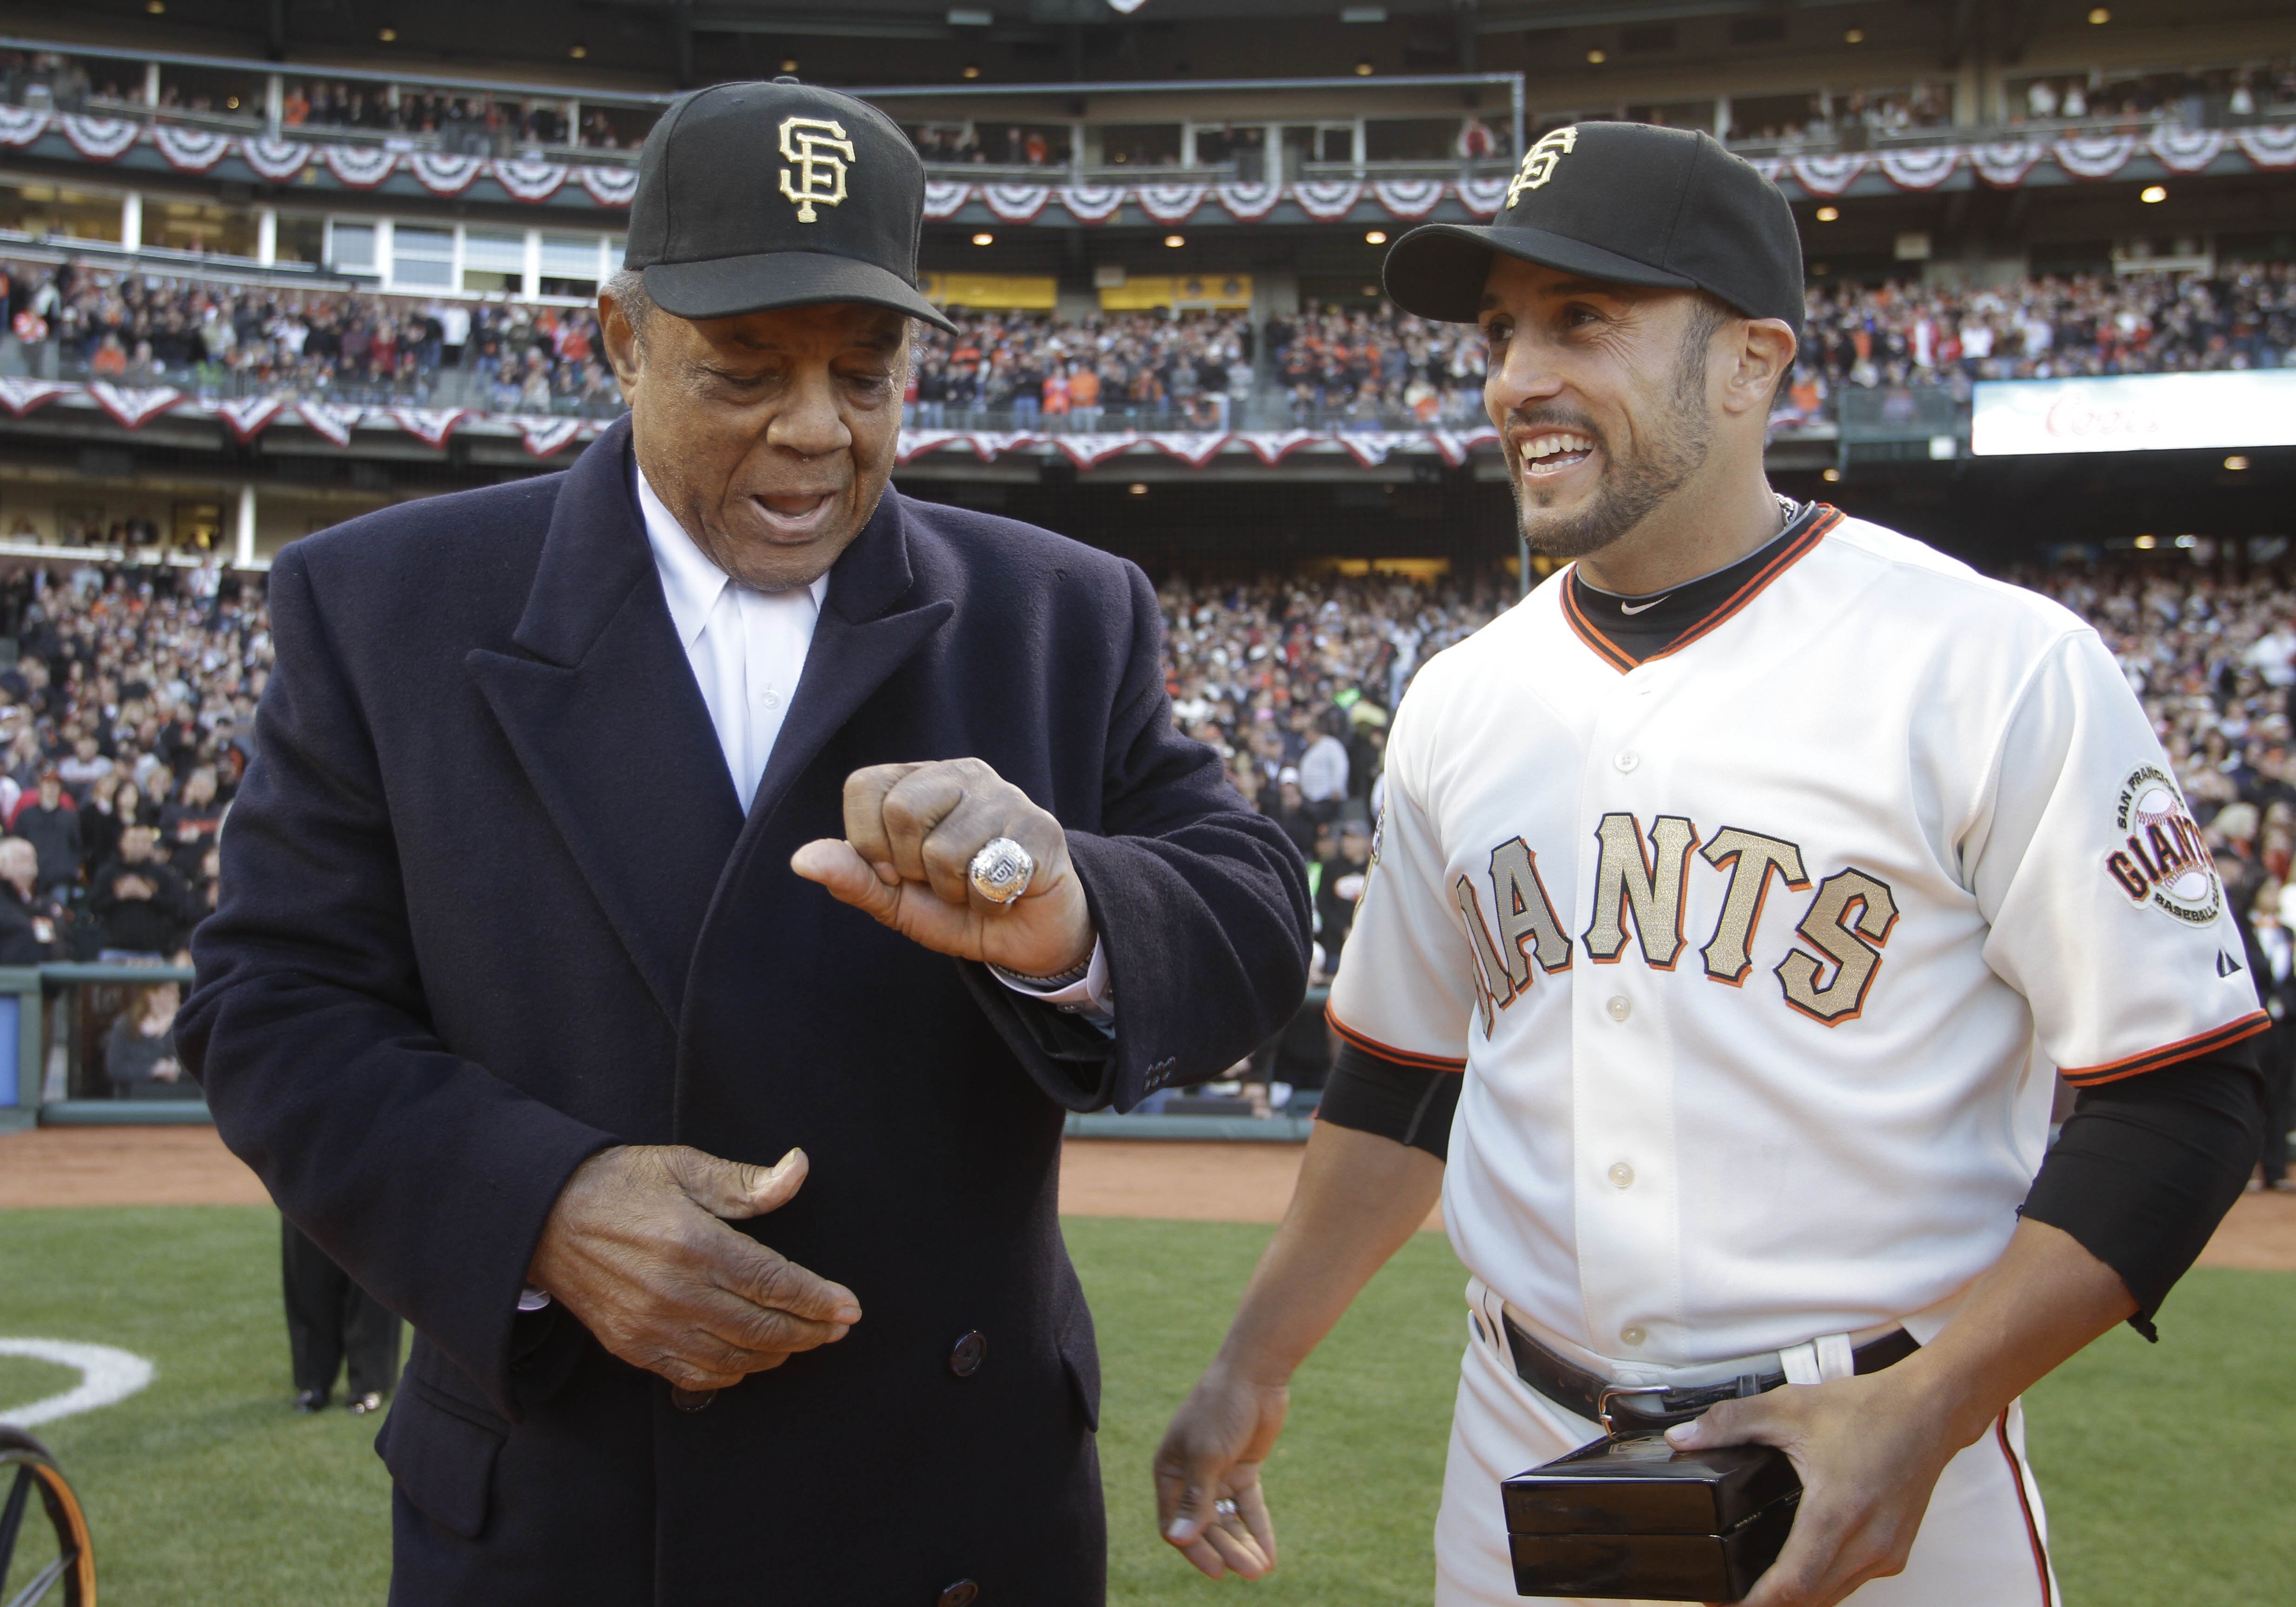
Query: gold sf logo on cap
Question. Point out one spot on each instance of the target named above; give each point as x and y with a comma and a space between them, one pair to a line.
1538, 162
820, 151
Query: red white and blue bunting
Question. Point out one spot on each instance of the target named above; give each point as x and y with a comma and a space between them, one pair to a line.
2002, 165
1196, 449
191, 149
545, 437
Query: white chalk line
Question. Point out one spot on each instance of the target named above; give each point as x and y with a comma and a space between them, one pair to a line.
107, 1375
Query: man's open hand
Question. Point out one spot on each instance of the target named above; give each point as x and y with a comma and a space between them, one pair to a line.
1869, 1451
635, 1248
911, 831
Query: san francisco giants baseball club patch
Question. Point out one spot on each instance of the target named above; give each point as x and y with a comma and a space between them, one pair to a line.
2162, 859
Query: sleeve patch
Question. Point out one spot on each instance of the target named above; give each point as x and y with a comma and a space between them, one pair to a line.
2162, 858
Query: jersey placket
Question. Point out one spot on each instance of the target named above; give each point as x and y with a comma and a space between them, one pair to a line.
1625, 1181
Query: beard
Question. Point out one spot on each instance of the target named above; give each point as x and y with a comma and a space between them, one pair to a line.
1631, 486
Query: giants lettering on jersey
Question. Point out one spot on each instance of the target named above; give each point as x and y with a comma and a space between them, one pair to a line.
1640, 883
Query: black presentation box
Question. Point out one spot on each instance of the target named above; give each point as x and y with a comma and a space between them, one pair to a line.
1632, 1517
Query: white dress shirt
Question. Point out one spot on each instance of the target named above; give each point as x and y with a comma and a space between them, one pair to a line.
747, 649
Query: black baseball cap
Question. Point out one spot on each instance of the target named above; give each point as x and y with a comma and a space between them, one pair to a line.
1626, 202
753, 196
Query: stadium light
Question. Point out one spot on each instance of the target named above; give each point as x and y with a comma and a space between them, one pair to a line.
1363, 70
972, 72
2100, 17
578, 50
388, 36
2147, 543
984, 240
2152, 194
789, 65
1376, 237
1595, 58
1138, 489
1856, 36
2235, 464
1176, 240
2188, 541
1832, 477
1829, 214
157, 8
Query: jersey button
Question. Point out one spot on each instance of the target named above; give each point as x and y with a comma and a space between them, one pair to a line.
1622, 1174
1620, 1007
1627, 761
1631, 1335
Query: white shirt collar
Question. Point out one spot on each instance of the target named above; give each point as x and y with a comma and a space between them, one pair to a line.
689, 583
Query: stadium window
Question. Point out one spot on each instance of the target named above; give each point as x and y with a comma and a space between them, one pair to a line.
422, 258
1418, 139
350, 247
494, 260
34, 209
570, 265
201, 226
301, 238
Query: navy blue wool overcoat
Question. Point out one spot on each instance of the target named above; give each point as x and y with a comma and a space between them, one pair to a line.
489, 905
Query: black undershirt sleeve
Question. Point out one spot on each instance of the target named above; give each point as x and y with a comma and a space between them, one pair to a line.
1410, 1105
2146, 1168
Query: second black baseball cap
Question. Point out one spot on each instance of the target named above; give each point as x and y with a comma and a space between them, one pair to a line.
1626, 202
753, 196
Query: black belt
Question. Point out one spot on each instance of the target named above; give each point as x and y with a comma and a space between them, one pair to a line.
1627, 1408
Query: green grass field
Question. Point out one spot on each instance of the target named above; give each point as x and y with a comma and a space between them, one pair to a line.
2170, 1471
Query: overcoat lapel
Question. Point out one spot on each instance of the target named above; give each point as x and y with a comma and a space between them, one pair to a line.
856, 647
610, 726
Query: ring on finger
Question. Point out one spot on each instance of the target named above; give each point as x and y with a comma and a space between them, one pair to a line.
1000, 873
1225, 1506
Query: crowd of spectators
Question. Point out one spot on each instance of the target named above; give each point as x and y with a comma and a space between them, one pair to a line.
1377, 366
474, 125
1901, 334
223, 339
1366, 365
125, 723
1111, 372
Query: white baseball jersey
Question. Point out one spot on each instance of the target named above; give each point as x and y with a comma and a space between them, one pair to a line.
1758, 956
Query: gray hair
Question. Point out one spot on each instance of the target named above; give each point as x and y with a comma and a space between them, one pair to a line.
627, 288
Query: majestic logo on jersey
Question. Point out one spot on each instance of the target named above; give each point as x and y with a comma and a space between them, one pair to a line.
1538, 162
1640, 884
2162, 860
819, 151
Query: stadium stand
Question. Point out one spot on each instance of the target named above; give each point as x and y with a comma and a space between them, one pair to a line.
264, 273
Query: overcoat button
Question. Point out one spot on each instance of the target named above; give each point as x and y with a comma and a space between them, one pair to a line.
691, 1400
965, 1592
965, 1361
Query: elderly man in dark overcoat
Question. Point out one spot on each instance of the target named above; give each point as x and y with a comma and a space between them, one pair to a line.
673, 908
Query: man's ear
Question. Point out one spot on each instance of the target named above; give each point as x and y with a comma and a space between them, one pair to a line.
624, 353
1765, 356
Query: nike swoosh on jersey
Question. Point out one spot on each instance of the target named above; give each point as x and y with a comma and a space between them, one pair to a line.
1632, 609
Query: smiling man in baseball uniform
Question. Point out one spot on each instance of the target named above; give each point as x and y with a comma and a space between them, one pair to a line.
1741, 891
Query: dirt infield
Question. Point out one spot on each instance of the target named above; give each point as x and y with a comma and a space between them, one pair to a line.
1099, 1177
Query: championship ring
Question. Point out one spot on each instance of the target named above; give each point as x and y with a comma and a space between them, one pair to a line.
1000, 872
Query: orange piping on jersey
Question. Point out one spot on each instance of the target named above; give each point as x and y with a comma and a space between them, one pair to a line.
1401, 1057
2168, 1054
1594, 638
1795, 552
2025, 1505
